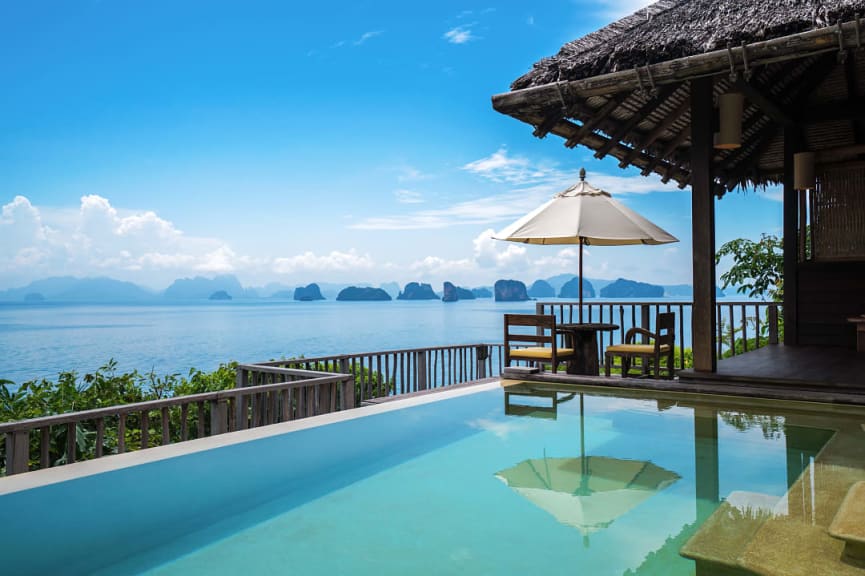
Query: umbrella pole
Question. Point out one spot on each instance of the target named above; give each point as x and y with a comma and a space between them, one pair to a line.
581, 281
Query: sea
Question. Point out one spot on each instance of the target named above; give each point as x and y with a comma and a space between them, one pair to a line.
41, 340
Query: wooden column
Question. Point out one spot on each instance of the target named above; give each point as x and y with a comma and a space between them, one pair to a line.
706, 462
792, 144
703, 225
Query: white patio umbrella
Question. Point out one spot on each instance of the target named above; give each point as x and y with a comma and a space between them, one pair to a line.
583, 214
587, 493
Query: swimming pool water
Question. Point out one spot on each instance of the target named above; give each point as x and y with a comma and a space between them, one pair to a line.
623, 480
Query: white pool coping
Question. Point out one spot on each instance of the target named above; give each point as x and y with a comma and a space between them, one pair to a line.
48, 476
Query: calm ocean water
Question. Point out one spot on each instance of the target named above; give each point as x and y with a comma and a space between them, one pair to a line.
41, 340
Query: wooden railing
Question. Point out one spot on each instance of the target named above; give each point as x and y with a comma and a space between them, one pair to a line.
741, 326
394, 372
282, 395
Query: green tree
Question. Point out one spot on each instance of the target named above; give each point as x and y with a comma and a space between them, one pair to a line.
758, 267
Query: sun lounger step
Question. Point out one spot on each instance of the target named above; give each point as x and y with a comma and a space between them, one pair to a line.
519, 371
849, 524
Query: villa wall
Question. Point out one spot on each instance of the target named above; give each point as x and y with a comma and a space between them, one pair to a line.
829, 293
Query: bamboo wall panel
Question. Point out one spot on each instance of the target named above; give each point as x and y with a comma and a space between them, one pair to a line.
838, 218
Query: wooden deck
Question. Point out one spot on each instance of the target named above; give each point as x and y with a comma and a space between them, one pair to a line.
792, 367
833, 375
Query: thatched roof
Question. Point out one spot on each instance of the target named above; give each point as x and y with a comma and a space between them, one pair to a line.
624, 90
672, 29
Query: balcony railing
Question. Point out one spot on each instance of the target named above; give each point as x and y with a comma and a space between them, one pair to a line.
396, 372
741, 326
31, 444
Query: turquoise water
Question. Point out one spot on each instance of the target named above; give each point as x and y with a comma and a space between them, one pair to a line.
41, 340
417, 490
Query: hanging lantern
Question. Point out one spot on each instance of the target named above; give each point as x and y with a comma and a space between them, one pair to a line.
804, 176
730, 134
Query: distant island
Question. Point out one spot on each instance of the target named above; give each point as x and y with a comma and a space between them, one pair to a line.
201, 287
542, 289
308, 293
571, 289
107, 290
482, 292
622, 288
416, 291
220, 295
454, 293
356, 294
510, 291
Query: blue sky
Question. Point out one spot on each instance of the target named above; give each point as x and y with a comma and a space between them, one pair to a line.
297, 142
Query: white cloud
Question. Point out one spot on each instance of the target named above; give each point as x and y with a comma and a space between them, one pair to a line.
480, 211
490, 253
335, 261
408, 197
773, 193
435, 266
97, 238
411, 174
459, 35
367, 36
502, 168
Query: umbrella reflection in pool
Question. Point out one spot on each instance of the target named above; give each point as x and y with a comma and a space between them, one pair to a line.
586, 492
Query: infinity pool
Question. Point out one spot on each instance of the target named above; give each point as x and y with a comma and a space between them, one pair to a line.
538, 481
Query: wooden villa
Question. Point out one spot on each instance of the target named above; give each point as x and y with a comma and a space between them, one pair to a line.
724, 95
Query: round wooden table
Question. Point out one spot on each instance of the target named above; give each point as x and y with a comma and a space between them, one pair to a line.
584, 340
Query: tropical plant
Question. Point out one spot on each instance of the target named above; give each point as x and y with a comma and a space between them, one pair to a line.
758, 267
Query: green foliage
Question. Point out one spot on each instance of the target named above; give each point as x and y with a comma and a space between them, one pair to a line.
771, 426
107, 387
103, 388
367, 383
758, 267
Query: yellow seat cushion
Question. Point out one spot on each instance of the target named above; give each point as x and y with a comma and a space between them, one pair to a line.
539, 352
636, 349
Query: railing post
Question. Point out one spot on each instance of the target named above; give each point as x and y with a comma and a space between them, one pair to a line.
645, 321
17, 452
481, 355
347, 393
420, 369
241, 404
773, 324
218, 417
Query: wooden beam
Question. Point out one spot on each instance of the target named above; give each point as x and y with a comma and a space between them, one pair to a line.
763, 101
597, 116
656, 132
625, 127
567, 129
792, 47
747, 158
844, 110
852, 91
542, 129
671, 146
792, 144
810, 79
703, 226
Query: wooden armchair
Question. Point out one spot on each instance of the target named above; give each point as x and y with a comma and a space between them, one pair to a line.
662, 347
539, 346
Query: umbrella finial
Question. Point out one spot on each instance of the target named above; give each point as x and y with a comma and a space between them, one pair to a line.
582, 174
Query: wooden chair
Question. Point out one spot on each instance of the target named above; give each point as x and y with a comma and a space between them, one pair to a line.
662, 347
538, 346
